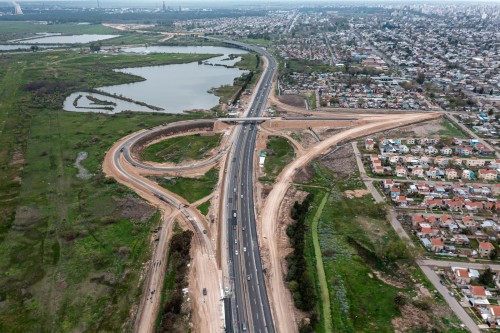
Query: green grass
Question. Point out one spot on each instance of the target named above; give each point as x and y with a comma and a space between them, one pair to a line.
204, 207
325, 296
191, 189
130, 38
68, 246
311, 100
15, 30
280, 153
450, 130
354, 240
226, 93
182, 148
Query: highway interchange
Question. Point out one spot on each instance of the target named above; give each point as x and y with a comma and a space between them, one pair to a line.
245, 298
242, 289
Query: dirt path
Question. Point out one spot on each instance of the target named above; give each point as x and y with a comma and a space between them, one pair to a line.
207, 314
279, 295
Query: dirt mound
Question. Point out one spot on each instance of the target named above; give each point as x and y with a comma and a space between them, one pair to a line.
304, 174
135, 209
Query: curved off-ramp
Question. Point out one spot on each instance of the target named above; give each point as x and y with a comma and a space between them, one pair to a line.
280, 297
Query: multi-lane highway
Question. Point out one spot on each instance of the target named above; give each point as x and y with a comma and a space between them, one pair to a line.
250, 310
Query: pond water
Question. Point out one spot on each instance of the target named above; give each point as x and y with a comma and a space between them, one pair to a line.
173, 88
65, 39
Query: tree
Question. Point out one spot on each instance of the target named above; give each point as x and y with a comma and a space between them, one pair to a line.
34, 48
486, 277
95, 47
494, 254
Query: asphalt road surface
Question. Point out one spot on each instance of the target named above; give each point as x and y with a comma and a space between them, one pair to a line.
249, 302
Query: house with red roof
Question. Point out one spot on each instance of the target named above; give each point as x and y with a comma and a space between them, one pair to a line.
485, 249
437, 245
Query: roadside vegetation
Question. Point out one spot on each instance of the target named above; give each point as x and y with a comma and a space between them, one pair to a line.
204, 207
72, 249
279, 153
182, 148
174, 317
191, 189
230, 94
369, 271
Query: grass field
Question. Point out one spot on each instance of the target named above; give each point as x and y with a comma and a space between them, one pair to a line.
182, 148
204, 207
451, 131
355, 241
280, 153
130, 38
249, 62
16, 30
191, 189
71, 250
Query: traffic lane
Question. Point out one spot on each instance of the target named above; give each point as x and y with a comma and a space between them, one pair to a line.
259, 279
258, 311
247, 205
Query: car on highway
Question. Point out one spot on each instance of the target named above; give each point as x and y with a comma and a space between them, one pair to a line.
244, 249
249, 277
204, 291
236, 252
235, 241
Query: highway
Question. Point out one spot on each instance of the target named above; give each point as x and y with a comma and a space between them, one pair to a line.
246, 302
249, 301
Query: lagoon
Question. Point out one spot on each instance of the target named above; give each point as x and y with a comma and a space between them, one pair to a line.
173, 88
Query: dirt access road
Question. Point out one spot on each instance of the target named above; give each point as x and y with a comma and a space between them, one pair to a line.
279, 296
207, 316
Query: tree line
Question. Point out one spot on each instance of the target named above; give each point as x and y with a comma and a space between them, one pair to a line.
171, 317
298, 277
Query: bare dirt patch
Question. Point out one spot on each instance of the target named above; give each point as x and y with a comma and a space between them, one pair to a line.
422, 129
26, 217
135, 209
356, 193
17, 157
293, 100
326, 132
304, 174
284, 248
412, 318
